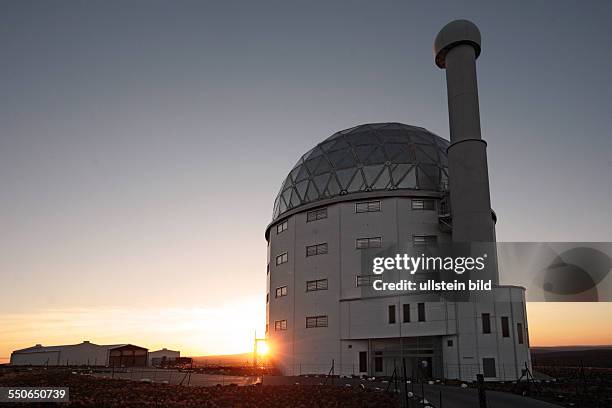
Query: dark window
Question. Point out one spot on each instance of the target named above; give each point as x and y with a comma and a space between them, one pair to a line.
422, 240
281, 291
363, 361
406, 312
519, 333
505, 327
280, 325
486, 323
367, 280
282, 258
319, 284
316, 321
449, 343
488, 367
364, 243
282, 227
268, 269
267, 328
367, 206
315, 215
318, 249
378, 364
421, 312
391, 314
423, 204
267, 297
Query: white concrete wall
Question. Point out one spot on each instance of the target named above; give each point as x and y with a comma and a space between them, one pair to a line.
35, 358
357, 314
160, 354
77, 354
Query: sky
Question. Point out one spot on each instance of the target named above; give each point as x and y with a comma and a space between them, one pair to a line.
143, 144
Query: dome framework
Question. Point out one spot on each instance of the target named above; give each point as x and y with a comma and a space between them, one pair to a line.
370, 157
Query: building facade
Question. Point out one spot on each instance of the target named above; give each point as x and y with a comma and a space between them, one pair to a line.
367, 189
82, 354
163, 357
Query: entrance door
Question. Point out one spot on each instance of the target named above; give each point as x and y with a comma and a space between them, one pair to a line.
378, 364
363, 361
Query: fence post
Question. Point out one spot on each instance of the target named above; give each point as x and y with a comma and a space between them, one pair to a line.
405, 383
423, 390
482, 398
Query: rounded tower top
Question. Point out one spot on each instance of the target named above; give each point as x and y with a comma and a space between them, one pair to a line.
455, 33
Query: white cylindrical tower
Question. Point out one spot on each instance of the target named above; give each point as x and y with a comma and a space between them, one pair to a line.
456, 48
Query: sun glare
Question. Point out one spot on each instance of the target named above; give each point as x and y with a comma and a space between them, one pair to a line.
262, 348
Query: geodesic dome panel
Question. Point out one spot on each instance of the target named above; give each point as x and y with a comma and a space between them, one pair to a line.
370, 157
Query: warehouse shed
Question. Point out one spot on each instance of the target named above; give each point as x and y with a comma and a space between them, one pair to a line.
85, 353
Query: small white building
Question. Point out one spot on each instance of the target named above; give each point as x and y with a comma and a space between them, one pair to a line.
163, 356
85, 353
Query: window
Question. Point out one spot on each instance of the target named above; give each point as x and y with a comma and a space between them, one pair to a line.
421, 310
318, 249
282, 258
315, 215
422, 240
486, 323
363, 361
267, 297
316, 321
488, 367
449, 343
519, 333
281, 291
505, 326
267, 328
313, 285
391, 314
406, 312
280, 325
367, 280
364, 243
423, 204
282, 227
367, 206
267, 269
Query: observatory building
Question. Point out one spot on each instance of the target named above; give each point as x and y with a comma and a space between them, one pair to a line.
391, 185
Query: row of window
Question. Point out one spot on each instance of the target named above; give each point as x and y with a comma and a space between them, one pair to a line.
406, 313
505, 326
321, 321
360, 243
322, 284
311, 321
360, 207
311, 286
488, 363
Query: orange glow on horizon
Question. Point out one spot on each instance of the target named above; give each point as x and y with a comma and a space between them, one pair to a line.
204, 331
569, 324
